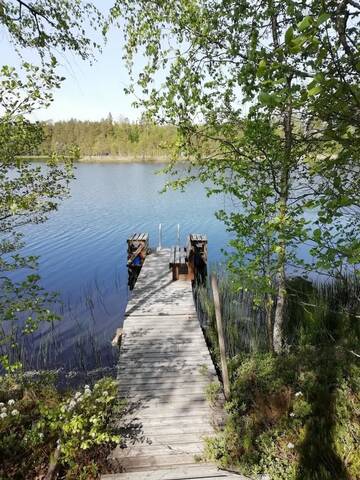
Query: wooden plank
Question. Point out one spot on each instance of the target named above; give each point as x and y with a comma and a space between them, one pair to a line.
166, 362
170, 412
163, 364
197, 357
169, 438
171, 421
141, 462
191, 349
176, 402
153, 391
161, 335
167, 449
187, 472
163, 397
164, 380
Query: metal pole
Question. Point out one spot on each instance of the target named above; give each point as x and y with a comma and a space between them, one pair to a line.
178, 235
224, 369
160, 236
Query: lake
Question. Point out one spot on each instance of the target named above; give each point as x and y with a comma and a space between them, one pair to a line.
82, 249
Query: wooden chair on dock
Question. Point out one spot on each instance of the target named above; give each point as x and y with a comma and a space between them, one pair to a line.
138, 248
190, 262
197, 257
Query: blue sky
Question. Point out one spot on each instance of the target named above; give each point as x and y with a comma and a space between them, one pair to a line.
89, 92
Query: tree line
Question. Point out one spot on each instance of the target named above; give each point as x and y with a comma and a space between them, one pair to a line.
106, 137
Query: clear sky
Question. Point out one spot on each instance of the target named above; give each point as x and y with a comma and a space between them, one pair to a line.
89, 92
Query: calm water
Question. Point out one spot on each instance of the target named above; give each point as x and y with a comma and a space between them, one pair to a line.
82, 249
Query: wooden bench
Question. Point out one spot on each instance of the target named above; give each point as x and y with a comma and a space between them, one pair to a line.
178, 262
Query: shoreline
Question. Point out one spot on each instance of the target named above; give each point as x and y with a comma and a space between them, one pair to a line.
105, 159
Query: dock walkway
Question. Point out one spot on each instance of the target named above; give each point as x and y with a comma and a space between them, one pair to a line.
164, 369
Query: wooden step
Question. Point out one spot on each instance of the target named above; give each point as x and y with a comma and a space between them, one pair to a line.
188, 472
150, 461
158, 449
176, 420
174, 429
137, 374
161, 438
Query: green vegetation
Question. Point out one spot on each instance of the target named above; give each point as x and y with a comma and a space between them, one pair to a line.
27, 192
293, 416
262, 101
107, 140
43, 430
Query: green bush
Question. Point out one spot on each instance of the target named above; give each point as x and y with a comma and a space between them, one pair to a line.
36, 420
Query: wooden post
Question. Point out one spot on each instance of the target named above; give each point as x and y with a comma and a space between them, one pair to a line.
224, 369
160, 237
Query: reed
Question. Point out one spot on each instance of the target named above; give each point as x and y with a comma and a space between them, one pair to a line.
75, 343
316, 313
244, 323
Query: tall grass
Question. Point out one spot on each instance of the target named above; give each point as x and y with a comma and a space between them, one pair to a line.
78, 342
319, 313
293, 416
316, 313
244, 323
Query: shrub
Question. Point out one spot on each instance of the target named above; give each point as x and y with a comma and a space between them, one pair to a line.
36, 421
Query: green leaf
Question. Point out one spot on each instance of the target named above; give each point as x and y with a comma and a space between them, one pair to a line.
289, 35
317, 234
324, 17
261, 70
305, 23
269, 100
314, 90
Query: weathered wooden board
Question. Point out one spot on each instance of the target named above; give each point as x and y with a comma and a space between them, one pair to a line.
187, 472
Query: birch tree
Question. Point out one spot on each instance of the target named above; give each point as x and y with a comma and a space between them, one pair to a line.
245, 83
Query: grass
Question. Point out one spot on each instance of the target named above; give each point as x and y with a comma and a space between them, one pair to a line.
244, 323
293, 416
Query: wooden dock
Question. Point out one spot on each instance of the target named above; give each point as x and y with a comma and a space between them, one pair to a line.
164, 370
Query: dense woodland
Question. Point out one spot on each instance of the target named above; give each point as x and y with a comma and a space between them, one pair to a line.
107, 137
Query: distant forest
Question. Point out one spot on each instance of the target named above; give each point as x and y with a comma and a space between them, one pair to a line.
107, 138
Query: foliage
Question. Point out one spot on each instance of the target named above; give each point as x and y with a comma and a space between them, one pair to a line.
243, 322
295, 416
278, 423
46, 26
213, 391
246, 85
36, 419
316, 313
107, 137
